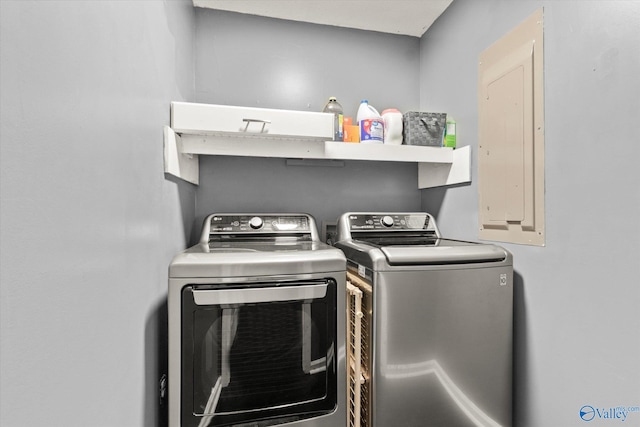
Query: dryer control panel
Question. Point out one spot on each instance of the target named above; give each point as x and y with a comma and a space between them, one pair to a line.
259, 224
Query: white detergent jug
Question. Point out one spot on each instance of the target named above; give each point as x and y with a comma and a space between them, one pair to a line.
370, 123
392, 126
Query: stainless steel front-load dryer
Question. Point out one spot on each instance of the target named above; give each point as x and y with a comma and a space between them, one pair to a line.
430, 324
257, 325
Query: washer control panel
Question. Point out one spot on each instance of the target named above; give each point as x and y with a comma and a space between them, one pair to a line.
390, 222
267, 223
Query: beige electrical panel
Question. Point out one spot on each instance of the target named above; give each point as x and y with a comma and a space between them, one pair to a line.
511, 136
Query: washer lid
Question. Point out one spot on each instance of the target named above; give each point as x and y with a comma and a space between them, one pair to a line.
429, 251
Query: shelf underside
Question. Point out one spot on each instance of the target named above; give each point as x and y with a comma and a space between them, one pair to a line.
436, 166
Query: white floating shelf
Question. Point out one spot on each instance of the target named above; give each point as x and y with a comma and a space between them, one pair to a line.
436, 166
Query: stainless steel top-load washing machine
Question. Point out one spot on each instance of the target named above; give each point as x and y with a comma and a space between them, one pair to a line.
429, 324
257, 325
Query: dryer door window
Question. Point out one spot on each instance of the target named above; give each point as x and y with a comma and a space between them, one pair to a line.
257, 353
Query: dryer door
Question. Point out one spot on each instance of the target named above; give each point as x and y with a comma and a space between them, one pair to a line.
254, 353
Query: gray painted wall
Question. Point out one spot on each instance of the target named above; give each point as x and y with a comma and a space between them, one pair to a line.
577, 299
261, 62
88, 221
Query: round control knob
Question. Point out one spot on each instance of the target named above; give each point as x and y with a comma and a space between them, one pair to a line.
256, 223
387, 221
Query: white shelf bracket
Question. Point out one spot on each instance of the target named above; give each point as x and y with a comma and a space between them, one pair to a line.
439, 174
177, 163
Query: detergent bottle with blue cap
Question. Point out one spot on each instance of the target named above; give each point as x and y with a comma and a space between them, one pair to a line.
370, 123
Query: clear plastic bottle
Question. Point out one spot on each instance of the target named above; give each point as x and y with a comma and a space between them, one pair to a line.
333, 106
